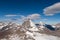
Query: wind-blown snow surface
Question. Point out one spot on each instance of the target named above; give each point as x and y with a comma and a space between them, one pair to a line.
45, 37
38, 36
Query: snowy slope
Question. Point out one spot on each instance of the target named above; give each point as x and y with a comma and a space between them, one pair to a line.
34, 28
45, 37
39, 36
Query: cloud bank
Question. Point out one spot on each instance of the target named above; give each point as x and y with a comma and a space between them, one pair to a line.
52, 10
21, 18
32, 17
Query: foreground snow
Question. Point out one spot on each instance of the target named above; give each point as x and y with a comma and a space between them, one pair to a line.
45, 37
38, 36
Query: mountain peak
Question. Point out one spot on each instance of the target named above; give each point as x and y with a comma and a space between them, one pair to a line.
41, 23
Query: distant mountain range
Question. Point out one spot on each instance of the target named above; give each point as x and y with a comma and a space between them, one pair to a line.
58, 24
29, 31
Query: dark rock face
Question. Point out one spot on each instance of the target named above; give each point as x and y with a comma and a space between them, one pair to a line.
50, 27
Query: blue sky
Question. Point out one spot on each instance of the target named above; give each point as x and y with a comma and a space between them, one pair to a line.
28, 7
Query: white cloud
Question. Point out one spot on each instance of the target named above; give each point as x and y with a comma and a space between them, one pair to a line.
32, 17
11, 15
53, 9
45, 19
22, 18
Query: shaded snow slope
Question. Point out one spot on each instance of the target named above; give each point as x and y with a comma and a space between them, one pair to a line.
32, 24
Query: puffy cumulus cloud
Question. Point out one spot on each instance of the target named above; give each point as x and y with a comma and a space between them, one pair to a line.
53, 9
32, 17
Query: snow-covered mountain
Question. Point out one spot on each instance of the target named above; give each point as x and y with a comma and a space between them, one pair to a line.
29, 31
57, 25
44, 35
43, 26
2, 24
30, 25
